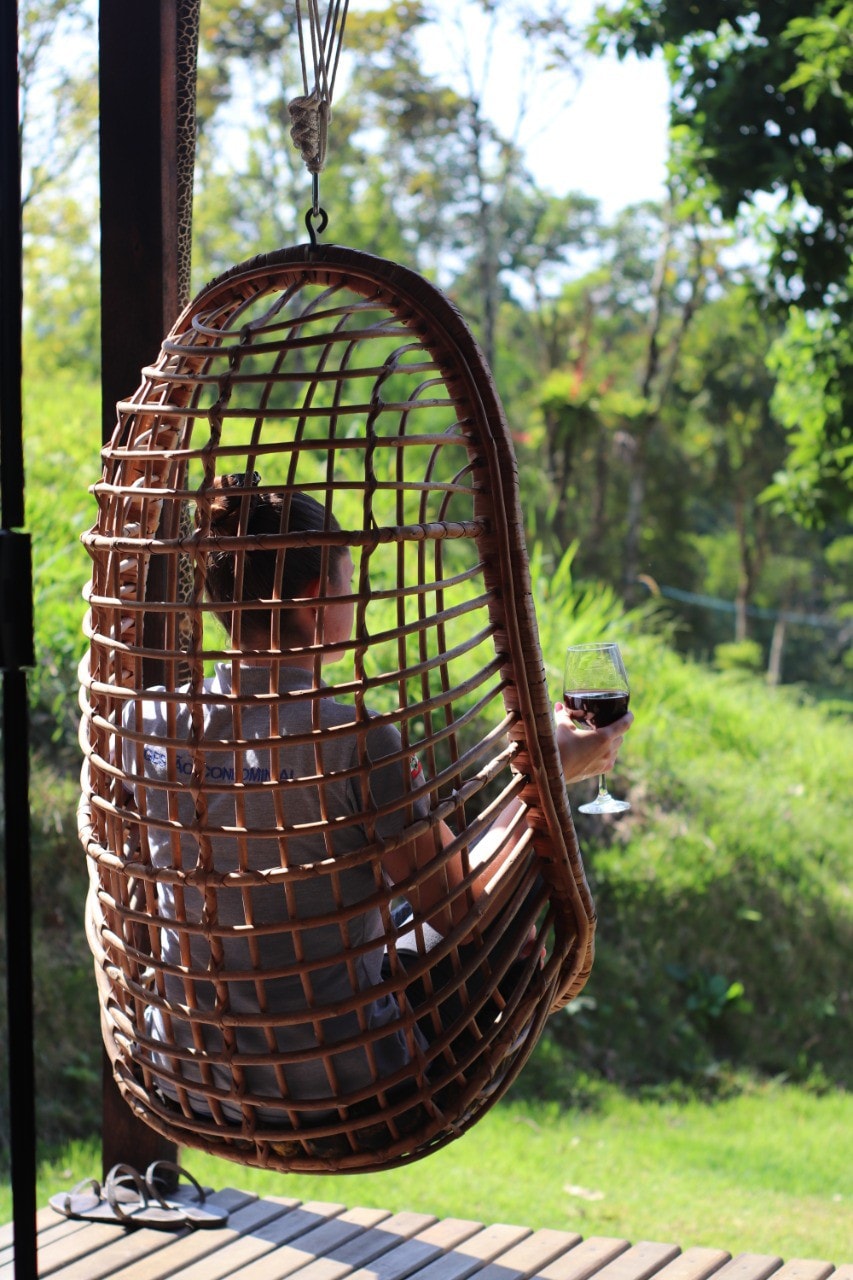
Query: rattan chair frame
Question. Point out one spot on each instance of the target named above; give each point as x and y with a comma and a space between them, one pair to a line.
261, 370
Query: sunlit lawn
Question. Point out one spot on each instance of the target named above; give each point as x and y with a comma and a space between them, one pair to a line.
768, 1171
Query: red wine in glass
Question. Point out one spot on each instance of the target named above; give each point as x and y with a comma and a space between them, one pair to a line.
595, 694
596, 708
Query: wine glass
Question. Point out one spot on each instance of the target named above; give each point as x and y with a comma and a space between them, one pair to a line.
595, 693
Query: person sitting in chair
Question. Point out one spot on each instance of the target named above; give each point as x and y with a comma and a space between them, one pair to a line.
259, 779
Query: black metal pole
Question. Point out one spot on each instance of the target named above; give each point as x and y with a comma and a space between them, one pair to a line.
11, 445
16, 653
22, 1123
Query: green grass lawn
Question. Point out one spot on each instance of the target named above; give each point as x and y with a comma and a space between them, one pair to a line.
767, 1171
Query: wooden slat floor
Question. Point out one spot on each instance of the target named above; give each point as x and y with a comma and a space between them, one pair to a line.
274, 1237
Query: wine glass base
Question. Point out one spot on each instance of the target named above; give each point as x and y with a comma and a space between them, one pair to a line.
606, 804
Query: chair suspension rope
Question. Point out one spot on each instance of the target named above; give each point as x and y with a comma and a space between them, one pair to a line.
310, 112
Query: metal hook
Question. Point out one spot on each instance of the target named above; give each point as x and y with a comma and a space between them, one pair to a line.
322, 221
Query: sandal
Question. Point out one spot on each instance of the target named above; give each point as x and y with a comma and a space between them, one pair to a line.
122, 1200
87, 1202
188, 1200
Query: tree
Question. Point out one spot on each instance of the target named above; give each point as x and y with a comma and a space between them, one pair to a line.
58, 95
394, 163
762, 98
62, 322
733, 440
58, 128
415, 168
813, 362
623, 330
765, 92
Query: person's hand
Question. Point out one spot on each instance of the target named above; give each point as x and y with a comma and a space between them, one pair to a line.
587, 753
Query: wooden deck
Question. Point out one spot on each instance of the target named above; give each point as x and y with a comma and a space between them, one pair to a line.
267, 1239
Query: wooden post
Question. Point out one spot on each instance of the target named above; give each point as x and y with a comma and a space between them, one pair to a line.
139, 295
139, 237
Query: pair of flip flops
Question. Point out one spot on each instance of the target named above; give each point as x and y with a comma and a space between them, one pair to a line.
157, 1200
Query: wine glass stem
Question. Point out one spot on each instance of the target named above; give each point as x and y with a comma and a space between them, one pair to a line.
603, 793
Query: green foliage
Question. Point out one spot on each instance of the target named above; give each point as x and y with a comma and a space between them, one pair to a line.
67, 1047
62, 458
573, 612
62, 329
801, 580
762, 102
739, 655
732, 867
824, 44
813, 400
765, 92
58, 95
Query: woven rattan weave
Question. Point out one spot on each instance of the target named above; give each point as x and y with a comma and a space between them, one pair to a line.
351, 379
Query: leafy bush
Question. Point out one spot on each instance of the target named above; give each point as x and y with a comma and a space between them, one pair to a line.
739, 655
62, 461
725, 922
67, 1032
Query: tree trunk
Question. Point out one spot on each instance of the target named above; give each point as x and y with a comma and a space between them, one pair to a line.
741, 615
656, 384
487, 265
752, 551
634, 516
777, 645
599, 505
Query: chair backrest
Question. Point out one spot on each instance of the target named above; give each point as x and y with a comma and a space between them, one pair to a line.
348, 378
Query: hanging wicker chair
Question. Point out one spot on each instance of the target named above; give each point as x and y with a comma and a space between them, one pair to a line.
349, 378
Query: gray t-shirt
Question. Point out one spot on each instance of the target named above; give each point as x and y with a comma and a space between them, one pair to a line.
282, 797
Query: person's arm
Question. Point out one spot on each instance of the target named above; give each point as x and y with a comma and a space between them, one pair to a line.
386, 784
490, 853
585, 753
429, 896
